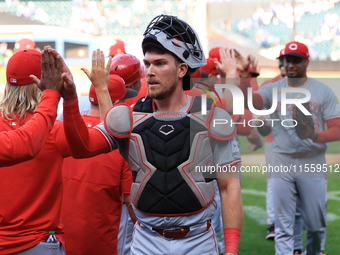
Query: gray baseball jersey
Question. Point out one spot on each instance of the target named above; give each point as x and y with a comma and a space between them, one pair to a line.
323, 104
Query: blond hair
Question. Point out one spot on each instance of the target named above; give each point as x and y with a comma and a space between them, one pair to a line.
18, 100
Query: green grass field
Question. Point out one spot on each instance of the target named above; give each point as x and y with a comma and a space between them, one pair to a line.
253, 240
254, 228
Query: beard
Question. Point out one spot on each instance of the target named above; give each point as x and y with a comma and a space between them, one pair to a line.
162, 92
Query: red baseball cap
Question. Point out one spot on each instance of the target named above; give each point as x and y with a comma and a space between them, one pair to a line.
118, 47
21, 65
215, 53
199, 74
297, 49
282, 52
117, 90
210, 67
24, 44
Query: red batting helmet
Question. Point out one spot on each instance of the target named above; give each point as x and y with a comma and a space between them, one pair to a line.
128, 67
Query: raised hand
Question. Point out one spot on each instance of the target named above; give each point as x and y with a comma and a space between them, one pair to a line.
99, 77
227, 65
69, 89
51, 71
242, 63
99, 74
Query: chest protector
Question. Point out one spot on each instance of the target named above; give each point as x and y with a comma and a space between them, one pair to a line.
165, 148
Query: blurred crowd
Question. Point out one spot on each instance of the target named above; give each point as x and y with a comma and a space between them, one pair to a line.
285, 15
100, 17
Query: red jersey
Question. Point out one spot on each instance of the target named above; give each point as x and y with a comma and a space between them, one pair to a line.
17, 145
92, 200
31, 193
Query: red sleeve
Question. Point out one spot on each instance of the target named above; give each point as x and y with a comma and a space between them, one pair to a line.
254, 84
258, 102
83, 143
332, 133
126, 179
243, 129
26, 142
60, 139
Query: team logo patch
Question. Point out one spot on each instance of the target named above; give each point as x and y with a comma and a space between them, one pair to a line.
166, 129
293, 46
13, 80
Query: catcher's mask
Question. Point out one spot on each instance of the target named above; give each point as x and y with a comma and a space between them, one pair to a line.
169, 33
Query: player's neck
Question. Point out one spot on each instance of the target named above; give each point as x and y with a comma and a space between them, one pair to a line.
176, 102
297, 82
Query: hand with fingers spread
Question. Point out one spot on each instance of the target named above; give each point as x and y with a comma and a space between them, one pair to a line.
99, 74
51, 72
99, 77
227, 65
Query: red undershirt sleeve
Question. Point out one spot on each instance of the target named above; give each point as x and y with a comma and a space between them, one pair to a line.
82, 142
26, 142
332, 133
241, 123
126, 179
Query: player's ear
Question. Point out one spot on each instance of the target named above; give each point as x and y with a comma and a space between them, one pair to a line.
307, 62
182, 69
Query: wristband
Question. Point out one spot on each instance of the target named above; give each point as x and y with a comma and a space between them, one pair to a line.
231, 240
254, 74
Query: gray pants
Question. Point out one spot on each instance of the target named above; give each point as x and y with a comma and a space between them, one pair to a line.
125, 232
198, 241
43, 249
310, 189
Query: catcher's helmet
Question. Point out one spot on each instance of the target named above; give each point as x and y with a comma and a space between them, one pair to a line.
127, 67
169, 33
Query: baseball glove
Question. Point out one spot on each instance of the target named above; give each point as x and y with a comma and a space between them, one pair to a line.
305, 124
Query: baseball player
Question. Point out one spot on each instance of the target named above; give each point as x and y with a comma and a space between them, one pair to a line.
94, 187
32, 190
173, 202
266, 131
300, 150
25, 142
